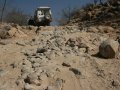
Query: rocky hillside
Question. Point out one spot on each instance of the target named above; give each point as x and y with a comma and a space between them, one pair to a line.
107, 13
59, 58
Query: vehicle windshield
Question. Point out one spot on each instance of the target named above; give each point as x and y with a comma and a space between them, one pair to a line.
45, 12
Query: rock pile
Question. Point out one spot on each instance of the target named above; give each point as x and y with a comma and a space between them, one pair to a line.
39, 66
15, 31
107, 13
60, 58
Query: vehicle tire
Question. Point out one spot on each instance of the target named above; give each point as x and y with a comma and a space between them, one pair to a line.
48, 24
31, 22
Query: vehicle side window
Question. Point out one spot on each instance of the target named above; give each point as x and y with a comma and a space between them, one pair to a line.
47, 12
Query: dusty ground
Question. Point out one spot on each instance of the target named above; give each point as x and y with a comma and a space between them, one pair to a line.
47, 61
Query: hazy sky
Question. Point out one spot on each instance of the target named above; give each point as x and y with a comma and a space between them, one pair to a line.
29, 6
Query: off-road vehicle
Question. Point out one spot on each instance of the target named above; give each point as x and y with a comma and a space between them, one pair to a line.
42, 17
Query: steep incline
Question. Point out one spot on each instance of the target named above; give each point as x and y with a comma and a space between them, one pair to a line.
56, 58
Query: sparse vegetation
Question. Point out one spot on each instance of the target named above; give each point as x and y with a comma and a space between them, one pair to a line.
98, 12
67, 15
16, 16
2, 10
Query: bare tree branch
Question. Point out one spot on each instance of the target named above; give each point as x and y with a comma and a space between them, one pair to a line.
3, 10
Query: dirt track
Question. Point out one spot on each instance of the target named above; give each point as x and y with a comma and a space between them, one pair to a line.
45, 61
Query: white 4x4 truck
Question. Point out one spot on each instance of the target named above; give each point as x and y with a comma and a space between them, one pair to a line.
42, 17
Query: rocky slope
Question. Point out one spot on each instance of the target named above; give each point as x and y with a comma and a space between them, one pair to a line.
107, 13
56, 58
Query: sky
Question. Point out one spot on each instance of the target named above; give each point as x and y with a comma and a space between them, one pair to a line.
29, 6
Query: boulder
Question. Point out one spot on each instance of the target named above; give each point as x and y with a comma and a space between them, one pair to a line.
108, 48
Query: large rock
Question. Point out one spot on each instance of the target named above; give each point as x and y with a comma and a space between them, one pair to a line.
108, 48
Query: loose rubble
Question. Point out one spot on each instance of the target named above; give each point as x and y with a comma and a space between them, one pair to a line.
59, 58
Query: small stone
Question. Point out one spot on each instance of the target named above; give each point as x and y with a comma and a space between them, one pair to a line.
50, 56
50, 73
59, 83
38, 71
28, 87
35, 65
3, 43
37, 60
58, 69
27, 63
26, 69
66, 64
51, 88
19, 82
14, 65
3, 72
41, 50
71, 42
92, 29
115, 83
59, 53
20, 43
75, 71
24, 75
32, 79
26, 53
